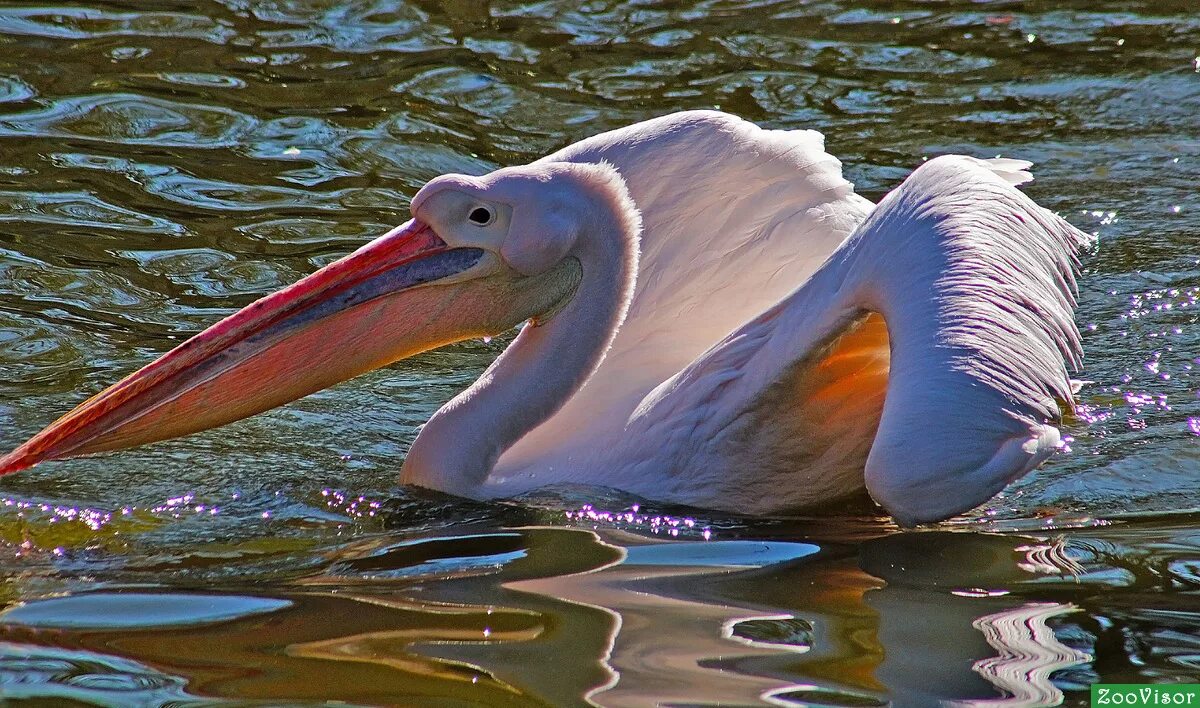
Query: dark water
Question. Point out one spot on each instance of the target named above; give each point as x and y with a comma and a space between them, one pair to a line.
162, 167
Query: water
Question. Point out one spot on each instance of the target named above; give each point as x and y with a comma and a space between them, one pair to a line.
162, 168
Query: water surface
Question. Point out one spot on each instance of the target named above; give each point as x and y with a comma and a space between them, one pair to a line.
160, 168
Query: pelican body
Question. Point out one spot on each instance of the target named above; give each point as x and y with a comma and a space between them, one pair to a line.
711, 317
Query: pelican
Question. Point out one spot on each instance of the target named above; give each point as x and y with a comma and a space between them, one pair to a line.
712, 317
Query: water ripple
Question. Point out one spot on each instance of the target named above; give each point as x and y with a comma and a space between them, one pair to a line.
84, 23
1028, 653
48, 673
13, 89
130, 119
79, 209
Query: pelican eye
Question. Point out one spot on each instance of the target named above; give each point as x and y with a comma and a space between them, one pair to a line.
481, 216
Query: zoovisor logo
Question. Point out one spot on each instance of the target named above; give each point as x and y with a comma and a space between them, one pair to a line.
1133, 694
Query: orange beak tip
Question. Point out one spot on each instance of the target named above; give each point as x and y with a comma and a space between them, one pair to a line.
14, 462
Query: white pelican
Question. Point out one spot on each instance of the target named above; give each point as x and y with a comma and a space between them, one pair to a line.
714, 318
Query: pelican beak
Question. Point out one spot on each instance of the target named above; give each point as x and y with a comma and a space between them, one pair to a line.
402, 294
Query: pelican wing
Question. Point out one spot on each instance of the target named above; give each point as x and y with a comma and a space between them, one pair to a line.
930, 350
734, 218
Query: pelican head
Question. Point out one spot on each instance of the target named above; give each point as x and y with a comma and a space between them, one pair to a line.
480, 256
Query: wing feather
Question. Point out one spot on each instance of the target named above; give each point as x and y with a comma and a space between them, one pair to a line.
734, 216
970, 287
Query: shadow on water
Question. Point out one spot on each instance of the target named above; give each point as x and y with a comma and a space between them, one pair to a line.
162, 166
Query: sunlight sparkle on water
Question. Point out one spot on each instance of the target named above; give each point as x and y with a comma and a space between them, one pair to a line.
93, 519
1092, 414
632, 519
30, 526
1160, 382
350, 505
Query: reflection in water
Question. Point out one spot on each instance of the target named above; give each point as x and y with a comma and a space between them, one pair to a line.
664, 640
1049, 559
390, 648
559, 616
1028, 653
35, 671
134, 610
955, 625
315, 648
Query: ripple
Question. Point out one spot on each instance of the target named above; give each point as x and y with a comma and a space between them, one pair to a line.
79, 209
841, 58
818, 697
13, 89
720, 553
212, 273
84, 23
186, 78
346, 27
30, 671
37, 354
93, 294
412, 165
792, 633
131, 610
432, 557
131, 119
175, 185
325, 233
1028, 652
